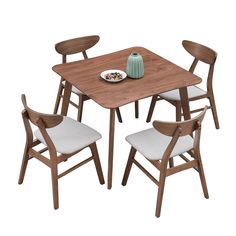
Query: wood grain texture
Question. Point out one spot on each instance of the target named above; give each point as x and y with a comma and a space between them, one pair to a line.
44, 121
160, 76
203, 54
34, 116
187, 127
66, 48
175, 130
76, 45
200, 52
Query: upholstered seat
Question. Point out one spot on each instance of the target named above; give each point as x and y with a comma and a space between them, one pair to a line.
173, 95
63, 137
201, 54
73, 89
162, 144
152, 144
70, 136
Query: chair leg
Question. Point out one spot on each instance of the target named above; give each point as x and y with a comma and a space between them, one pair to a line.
178, 111
161, 190
23, 165
136, 103
54, 176
118, 114
151, 108
58, 99
80, 108
214, 112
129, 165
171, 162
97, 163
202, 177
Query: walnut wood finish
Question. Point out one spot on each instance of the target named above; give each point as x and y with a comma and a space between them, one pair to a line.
203, 54
175, 130
111, 148
69, 47
76, 45
44, 121
168, 128
160, 76
49, 120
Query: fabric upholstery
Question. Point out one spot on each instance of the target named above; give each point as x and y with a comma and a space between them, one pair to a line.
152, 144
173, 95
70, 136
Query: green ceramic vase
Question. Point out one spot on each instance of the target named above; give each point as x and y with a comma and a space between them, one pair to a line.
135, 67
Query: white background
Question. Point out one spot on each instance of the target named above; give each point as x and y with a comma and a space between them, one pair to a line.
29, 30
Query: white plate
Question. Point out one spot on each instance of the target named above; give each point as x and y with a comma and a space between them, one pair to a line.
104, 73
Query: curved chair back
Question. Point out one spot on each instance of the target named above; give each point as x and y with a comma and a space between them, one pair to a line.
76, 45
200, 52
34, 116
186, 127
69, 47
204, 54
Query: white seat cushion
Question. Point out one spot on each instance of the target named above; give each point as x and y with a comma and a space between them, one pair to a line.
70, 136
74, 89
152, 144
173, 95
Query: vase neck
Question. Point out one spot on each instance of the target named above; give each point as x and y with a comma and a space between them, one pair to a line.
135, 54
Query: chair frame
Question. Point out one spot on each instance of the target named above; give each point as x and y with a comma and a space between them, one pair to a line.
175, 130
43, 121
74, 46
203, 54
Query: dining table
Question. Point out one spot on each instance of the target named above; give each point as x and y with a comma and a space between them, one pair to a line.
160, 75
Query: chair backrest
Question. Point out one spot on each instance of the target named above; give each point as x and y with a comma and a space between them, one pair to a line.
76, 45
34, 116
178, 129
185, 127
204, 54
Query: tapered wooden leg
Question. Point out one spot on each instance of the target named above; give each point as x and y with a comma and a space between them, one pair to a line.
129, 165
23, 165
214, 112
111, 147
54, 175
66, 99
136, 103
97, 163
118, 114
151, 109
58, 99
160, 196
185, 102
80, 108
178, 111
202, 176
161, 188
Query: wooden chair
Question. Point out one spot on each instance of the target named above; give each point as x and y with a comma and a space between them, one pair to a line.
203, 54
159, 145
69, 47
62, 137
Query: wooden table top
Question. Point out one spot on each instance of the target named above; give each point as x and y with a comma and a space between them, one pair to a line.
160, 75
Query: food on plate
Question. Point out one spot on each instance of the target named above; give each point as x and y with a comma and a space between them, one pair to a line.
113, 76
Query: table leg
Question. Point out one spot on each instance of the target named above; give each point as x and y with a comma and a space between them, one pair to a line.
66, 99
185, 102
136, 109
111, 147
